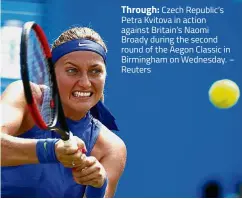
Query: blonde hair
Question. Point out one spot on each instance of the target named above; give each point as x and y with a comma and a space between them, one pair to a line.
79, 33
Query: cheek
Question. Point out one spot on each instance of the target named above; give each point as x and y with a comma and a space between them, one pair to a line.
99, 85
64, 84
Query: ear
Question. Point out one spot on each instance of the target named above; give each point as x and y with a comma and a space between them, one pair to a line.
102, 98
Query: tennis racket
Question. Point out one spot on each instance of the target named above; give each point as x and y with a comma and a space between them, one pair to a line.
38, 74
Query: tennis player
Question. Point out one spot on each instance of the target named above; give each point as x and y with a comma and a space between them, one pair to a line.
35, 163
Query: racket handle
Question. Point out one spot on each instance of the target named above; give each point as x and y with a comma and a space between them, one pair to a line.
70, 142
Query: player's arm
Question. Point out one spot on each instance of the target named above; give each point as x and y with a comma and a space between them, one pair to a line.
107, 161
113, 161
16, 120
15, 151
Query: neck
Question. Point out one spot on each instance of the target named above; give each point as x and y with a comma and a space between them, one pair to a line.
74, 115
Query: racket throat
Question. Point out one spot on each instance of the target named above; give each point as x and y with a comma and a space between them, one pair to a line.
64, 135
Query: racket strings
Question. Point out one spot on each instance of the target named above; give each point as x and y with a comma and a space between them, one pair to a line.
39, 75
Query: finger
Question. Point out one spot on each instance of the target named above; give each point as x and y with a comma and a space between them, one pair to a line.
67, 149
80, 167
90, 161
68, 164
85, 171
79, 160
74, 160
92, 182
87, 178
61, 151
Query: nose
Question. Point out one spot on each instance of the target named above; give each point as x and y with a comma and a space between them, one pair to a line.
84, 81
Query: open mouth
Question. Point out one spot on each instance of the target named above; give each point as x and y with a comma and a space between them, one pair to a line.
81, 94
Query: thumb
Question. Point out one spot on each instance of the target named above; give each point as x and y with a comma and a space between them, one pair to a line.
81, 145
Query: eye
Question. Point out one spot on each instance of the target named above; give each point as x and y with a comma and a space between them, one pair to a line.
96, 71
71, 71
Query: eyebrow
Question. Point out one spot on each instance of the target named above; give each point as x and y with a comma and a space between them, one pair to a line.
96, 65
92, 65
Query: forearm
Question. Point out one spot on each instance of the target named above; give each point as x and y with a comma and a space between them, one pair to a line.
110, 191
17, 151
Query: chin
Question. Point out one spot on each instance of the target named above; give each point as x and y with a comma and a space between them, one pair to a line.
82, 107
72, 109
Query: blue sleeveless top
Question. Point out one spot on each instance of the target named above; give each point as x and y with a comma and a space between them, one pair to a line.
49, 180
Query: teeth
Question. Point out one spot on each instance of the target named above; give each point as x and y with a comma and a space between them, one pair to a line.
82, 94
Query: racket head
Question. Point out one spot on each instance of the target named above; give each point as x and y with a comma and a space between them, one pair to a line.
39, 80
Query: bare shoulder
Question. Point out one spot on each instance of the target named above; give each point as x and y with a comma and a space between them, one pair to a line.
13, 101
13, 92
110, 138
108, 143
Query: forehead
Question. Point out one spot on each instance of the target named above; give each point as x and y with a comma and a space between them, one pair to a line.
82, 58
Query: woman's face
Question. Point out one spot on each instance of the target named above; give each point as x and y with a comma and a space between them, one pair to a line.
81, 77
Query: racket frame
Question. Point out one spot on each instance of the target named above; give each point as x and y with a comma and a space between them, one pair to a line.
58, 115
